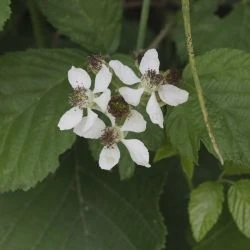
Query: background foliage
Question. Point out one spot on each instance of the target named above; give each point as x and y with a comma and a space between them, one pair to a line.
54, 195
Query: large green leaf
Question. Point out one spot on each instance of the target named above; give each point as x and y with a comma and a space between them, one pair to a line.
84, 207
210, 31
205, 207
33, 95
225, 79
94, 24
239, 205
4, 12
224, 236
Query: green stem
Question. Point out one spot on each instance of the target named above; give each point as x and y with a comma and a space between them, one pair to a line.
143, 24
226, 181
187, 26
158, 39
36, 23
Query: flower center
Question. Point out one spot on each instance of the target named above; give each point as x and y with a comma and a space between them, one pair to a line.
95, 63
79, 98
118, 107
151, 81
110, 136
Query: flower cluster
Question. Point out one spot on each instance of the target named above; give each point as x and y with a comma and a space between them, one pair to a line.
90, 103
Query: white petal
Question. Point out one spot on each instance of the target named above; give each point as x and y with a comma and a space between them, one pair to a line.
172, 95
124, 73
138, 152
134, 122
131, 96
111, 118
102, 79
79, 78
70, 119
149, 61
109, 157
91, 118
154, 111
93, 132
103, 100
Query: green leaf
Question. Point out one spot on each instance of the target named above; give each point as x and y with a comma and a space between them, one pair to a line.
231, 168
225, 77
5, 12
95, 148
33, 96
239, 205
205, 207
165, 151
213, 31
180, 128
188, 169
94, 24
224, 236
126, 165
153, 137
84, 207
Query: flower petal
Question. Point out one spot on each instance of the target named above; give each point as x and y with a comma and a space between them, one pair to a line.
93, 132
79, 78
131, 96
103, 100
154, 111
124, 73
70, 119
111, 118
134, 122
102, 79
109, 157
91, 118
150, 61
172, 95
138, 152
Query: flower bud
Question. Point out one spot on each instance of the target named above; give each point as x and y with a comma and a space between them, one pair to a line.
95, 63
173, 76
118, 107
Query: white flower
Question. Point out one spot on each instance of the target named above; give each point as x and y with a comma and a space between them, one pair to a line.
111, 136
84, 98
150, 82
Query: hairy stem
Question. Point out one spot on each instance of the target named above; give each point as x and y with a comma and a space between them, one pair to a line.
143, 24
187, 26
36, 23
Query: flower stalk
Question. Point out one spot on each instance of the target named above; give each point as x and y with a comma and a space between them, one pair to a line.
190, 49
143, 24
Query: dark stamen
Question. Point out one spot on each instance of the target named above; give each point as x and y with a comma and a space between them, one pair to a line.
78, 98
109, 137
155, 79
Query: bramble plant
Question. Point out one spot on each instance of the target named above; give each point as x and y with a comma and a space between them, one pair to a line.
103, 147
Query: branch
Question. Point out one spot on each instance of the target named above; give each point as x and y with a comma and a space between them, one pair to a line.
187, 26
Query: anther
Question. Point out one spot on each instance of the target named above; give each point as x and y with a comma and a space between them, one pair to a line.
110, 136
78, 98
